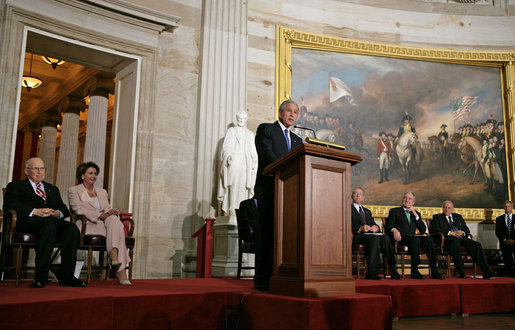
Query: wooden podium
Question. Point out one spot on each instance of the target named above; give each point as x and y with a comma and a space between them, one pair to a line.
313, 239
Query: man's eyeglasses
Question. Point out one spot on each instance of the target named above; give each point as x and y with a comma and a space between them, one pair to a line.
37, 169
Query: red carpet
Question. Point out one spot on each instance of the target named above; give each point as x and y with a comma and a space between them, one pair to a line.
233, 304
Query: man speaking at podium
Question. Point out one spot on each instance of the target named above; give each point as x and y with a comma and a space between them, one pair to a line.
272, 142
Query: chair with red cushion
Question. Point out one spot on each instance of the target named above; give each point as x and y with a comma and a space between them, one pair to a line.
98, 242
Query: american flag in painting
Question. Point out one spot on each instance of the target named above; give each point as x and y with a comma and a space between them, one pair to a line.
462, 106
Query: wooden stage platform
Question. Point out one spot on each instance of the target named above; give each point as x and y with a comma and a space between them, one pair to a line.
216, 303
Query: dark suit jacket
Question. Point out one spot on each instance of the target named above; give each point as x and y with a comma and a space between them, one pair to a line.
501, 230
356, 219
20, 196
248, 215
440, 224
397, 219
271, 145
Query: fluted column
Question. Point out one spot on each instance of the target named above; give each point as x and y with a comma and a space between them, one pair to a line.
509, 125
98, 90
48, 144
67, 164
222, 95
223, 88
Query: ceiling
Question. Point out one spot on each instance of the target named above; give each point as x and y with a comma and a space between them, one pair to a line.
82, 64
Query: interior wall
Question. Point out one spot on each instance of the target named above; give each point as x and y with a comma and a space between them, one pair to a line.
370, 21
165, 159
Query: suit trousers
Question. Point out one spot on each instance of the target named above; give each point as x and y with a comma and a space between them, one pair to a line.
414, 244
474, 248
48, 230
507, 255
374, 244
264, 259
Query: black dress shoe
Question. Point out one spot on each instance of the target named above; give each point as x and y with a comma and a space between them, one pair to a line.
416, 275
487, 276
372, 277
461, 275
73, 282
435, 274
262, 286
37, 284
394, 275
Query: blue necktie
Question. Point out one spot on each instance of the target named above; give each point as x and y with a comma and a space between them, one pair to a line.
510, 224
451, 223
287, 139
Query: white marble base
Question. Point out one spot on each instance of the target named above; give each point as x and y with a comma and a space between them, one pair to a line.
225, 250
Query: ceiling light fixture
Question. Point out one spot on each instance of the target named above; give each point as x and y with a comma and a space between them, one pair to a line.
29, 81
54, 62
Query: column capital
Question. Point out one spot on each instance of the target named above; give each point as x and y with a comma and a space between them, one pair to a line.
49, 118
72, 104
99, 86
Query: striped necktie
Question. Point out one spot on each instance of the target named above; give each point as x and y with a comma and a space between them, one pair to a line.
40, 192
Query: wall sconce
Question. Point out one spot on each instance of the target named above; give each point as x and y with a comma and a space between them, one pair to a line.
54, 62
29, 81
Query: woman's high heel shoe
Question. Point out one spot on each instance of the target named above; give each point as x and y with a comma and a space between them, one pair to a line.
124, 281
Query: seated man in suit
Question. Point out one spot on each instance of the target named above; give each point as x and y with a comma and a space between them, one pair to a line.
363, 223
456, 232
505, 232
248, 216
272, 142
41, 211
401, 225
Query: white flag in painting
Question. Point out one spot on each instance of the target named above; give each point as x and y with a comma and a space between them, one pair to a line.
338, 89
462, 106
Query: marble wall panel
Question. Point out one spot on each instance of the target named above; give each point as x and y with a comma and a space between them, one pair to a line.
176, 109
180, 50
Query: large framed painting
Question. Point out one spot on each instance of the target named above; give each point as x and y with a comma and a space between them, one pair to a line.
432, 121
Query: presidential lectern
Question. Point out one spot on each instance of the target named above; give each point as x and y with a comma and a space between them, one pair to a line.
312, 231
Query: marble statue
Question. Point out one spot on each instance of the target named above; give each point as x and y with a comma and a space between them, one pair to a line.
238, 167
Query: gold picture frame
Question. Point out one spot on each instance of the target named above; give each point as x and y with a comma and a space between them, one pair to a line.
287, 39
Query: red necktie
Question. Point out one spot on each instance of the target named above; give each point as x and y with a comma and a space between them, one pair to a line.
40, 192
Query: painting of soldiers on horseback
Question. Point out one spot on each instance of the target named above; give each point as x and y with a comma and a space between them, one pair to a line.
437, 128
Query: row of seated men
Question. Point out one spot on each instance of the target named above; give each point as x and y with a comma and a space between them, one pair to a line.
402, 226
41, 211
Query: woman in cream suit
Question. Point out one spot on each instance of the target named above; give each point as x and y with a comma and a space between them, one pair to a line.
93, 203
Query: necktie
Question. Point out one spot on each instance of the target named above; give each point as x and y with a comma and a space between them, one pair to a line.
362, 213
451, 223
287, 139
510, 224
40, 192
408, 216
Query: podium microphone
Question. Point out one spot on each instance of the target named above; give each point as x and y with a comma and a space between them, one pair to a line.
306, 128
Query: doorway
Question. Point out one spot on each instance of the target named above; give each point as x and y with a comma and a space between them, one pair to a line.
39, 106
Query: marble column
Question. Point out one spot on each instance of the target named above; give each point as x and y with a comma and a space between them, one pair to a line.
509, 125
28, 147
222, 95
48, 144
98, 90
67, 164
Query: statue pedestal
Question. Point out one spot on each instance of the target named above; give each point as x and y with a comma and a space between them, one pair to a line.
225, 250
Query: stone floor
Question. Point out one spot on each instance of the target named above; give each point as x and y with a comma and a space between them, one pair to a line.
477, 321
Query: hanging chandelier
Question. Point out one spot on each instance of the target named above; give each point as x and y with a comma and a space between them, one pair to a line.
29, 81
54, 62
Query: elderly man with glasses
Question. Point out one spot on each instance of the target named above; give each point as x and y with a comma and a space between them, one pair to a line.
41, 211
